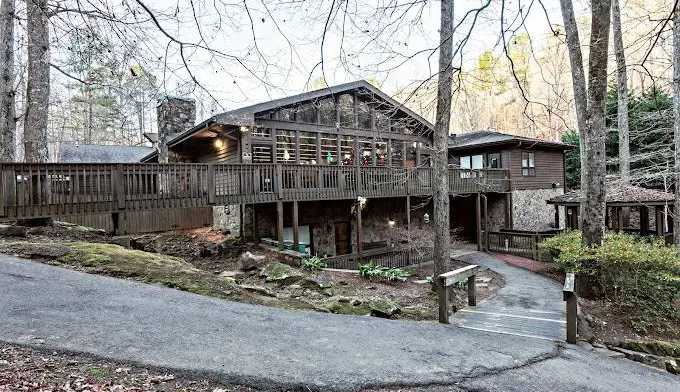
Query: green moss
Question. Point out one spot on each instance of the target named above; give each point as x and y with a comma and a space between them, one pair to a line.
667, 349
345, 308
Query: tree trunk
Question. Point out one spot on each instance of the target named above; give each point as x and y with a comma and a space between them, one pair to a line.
8, 122
676, 118
441, 251
38, 82
593, 205
622, 94
578, 81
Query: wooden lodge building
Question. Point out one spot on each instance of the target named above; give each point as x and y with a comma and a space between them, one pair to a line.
290, 172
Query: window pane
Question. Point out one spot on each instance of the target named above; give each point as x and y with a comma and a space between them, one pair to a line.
285, 146
308, 148
381, 152
364, 115
285, 114
306, 113
347, 150
478, 161
366, 151
531, 159
525, 172
329, 149
397, 152
465, 162
327, 111
346, 103
411, 154
494, 161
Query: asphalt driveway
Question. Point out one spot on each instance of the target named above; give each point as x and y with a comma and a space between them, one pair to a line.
273, 348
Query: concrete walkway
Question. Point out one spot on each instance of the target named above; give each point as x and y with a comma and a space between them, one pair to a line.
528, 305
126, 321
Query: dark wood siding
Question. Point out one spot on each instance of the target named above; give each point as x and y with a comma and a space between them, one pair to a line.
549, 166
148, 221
228, 153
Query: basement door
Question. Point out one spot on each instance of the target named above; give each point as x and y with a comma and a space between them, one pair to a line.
343, 239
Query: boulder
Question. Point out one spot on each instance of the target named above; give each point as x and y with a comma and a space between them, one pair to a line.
11, 230
585, 331
383, 308
123, 240
281, 273
672, 366
316, 282
258, 289
38, 230
249, 261
232, 274
355, 302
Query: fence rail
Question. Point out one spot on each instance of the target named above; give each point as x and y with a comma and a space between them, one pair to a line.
518, 243
384, 257
37, 190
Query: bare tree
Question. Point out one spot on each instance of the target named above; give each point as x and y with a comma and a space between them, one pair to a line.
590, 113
7, 94
676, 116
38, 82
622, 94
441, 138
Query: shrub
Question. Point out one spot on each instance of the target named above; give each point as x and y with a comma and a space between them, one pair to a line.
371, 271
313, 263
641, 276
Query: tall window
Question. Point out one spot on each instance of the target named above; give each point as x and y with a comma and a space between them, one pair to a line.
308, 148
285, 146
472, 161
494, 160
528, 164
329, 149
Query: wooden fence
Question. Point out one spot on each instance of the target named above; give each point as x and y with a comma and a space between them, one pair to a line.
146, 221
518, 243
384, 257
43, 190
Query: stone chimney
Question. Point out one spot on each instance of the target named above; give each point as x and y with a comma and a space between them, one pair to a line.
174, 115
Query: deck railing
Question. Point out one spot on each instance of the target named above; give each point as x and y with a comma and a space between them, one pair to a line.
384, 257
36, 190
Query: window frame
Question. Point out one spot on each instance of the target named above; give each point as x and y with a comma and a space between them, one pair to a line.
528, 170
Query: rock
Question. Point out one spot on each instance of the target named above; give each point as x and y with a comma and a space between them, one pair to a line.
11, 230
655, 361
123, 240
599, 345
232, 274
316, 282
481, 285
281, 273
585, 332
207, 250
383, 308
609, 353
672, 366
585, 345
483, 279
38, 230
421, 281
294, 287
355, 302
339, 298
249, 261
258, 289
342, 283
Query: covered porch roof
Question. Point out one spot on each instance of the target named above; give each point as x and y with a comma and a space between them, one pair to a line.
620, 195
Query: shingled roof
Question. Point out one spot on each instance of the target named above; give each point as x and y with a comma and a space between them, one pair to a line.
486, 138
98, 153
620, 195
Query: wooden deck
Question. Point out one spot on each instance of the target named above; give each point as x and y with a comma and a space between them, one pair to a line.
43, 190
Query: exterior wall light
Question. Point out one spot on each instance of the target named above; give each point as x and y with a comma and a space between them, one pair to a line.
391, 222
426, 218
219, 143
244, 128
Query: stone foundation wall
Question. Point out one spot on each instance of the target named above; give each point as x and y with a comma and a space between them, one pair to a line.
227, 219
531, 212
496, 207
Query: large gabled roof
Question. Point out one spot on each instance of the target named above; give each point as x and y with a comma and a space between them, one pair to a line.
246, 115
489, 138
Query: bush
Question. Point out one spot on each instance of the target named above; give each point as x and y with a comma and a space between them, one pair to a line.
313, 263
371, 271
641, 276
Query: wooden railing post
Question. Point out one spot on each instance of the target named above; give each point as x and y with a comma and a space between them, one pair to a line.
118, 186
278, 186
8, 189
569, 295
444, 281
443, 297
210, 184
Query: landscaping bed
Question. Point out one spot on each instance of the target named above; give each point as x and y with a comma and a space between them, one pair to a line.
206, 262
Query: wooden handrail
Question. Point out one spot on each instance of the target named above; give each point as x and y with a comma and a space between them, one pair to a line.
446, 280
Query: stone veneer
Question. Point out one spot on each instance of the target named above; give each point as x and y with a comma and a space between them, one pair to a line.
530, 211
227, 219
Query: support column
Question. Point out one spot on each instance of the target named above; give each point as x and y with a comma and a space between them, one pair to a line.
408, 213
279, 222
659, 218
644, 220
360, 235
296, 227
478, 211
508, 210
557, 216
256, 227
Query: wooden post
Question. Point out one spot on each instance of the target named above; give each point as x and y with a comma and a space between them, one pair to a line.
279, 222
360, 234
472, 297
444, 304
408, 213
478, 212
659, 220
256, 228
210, 183
569, 295
557, 216
118, 183
644, 220
296, 228
508, 210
